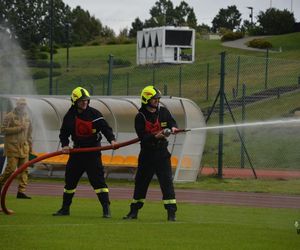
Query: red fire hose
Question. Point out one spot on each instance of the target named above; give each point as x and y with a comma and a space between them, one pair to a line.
45, 156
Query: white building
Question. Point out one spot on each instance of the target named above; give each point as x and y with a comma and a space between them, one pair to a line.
166, 44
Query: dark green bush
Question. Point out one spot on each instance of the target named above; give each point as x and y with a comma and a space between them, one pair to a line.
44, 48
118, 62
260, 44
40, 74
231, 36
42, 64
43, 74
43, 56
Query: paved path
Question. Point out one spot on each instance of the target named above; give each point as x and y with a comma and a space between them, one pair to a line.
241, 43
182, 195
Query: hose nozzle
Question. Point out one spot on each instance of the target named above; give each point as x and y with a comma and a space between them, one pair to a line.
167, 132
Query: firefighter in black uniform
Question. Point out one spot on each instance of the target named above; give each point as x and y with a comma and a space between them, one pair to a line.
84, 124
150, 124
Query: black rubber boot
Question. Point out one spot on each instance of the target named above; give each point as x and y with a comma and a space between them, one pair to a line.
171, 215
62, 212
22, 196
133, 213
106, 211
104, 200
65, 209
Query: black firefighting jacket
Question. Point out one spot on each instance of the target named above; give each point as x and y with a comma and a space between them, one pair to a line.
148, 140
88, 137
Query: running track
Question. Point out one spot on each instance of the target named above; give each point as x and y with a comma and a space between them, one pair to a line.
182, 195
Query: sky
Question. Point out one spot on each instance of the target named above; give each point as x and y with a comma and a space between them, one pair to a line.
119, 14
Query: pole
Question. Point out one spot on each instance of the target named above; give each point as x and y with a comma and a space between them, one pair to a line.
109, 83
180, 81
221, 115
153, 76
251, 15
68, 43
238, 76
242, 130
127, 81
51, 47
207, 81
267, 69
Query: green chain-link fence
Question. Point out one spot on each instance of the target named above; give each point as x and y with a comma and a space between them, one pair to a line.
267, 86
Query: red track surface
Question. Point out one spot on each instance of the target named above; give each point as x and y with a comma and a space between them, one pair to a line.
244, 173
190, 196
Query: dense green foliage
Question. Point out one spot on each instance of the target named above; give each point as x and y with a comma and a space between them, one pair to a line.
231, 36
275, 22
229, 18
260, 43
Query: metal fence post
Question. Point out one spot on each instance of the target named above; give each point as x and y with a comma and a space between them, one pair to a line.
51, 49
221, 115
237, 76
127, 85
165, 89
267, 69
180, 81
109, 83
207, 81
153, 76
242, 129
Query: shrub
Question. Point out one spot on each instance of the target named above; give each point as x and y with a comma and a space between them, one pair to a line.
260, 44
40, 74
42, 64
230, 36
44, 48
43, 74
43, 56
121, 62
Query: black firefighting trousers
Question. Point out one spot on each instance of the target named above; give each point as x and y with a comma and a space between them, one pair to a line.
154, 162
89, 162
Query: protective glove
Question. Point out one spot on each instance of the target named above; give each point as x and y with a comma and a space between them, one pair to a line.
66, 149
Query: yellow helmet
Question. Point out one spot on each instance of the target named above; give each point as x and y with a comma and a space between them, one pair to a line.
148, 93
78, 94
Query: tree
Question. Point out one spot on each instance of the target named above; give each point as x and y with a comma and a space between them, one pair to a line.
191, 19
85, 28
163, 13
135, 27
28, 20
229, 18
184, 15
203, 28
275, 22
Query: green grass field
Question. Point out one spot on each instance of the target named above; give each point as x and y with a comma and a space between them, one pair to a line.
197, 227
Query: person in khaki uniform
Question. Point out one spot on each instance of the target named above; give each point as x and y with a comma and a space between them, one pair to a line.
17, 131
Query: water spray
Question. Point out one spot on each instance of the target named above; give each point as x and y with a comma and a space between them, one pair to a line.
249, 124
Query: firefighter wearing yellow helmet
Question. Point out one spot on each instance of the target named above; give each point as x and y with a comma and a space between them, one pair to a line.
84, 125
78, 94
154, 158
